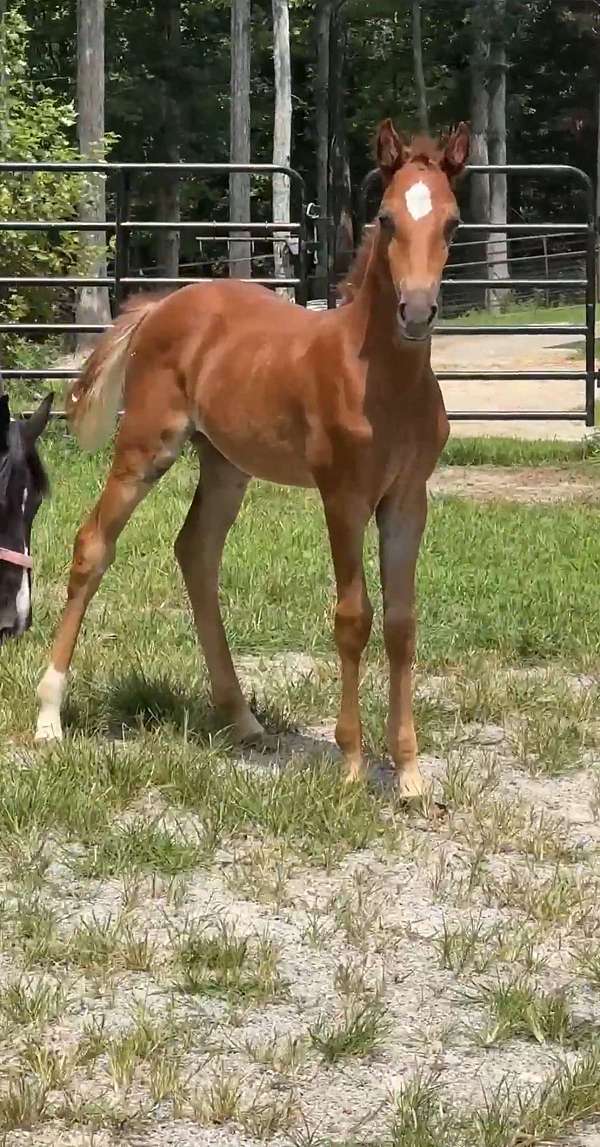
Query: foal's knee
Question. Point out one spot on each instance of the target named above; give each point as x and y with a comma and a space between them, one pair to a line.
353, 619
92, 554
399, 632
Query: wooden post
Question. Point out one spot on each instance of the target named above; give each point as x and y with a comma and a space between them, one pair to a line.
497, 145
168, 242
240, 264
282, 135
93, 303
323, 17
418, 69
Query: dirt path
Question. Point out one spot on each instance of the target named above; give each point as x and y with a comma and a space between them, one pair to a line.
511, 352
546, 484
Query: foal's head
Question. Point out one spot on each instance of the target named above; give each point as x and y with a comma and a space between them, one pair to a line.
417, 219
23, 484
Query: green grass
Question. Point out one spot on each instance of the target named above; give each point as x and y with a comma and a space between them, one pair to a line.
520, 313
361, 1031
222, 963
522, 452
496, 578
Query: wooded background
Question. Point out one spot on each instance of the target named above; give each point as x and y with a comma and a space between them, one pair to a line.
524, 71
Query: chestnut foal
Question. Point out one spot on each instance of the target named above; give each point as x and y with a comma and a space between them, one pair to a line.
344, 400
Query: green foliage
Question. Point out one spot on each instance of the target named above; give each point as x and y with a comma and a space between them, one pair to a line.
35, 125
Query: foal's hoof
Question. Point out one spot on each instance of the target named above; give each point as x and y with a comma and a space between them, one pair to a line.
260, 742
410, 784
48, 730
250, 734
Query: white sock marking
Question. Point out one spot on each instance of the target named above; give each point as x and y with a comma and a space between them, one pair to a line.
418, 200
50, 691
23, 601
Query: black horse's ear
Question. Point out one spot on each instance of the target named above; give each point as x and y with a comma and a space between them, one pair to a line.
32, 427
4, 422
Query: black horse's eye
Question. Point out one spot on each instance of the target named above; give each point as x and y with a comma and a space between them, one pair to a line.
386, 221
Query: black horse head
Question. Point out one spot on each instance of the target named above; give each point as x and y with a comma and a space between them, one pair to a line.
23, 484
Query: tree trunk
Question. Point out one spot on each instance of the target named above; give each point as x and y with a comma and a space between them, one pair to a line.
240, 265
168, 16
419, 73
282, 135
323, 16
93, 303
598, 186
3, 106
340, 182
497, 149
479, 185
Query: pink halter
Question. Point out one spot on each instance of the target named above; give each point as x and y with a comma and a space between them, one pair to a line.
16, 558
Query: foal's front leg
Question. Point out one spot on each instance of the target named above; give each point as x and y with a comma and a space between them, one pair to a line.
401, 520
346, 521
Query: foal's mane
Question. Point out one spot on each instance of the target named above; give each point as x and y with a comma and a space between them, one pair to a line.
423, 152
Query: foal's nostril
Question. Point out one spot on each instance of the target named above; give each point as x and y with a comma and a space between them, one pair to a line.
402, 309
433, 312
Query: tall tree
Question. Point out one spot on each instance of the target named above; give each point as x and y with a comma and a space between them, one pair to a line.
323, 16
282, 130
240, 264
479, 66
93, 303
168, 16
498, 258
419, 71
341, 183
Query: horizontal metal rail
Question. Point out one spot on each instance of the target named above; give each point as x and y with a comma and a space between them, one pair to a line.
83, 167
517, 415
159, 281
524, 228
55, 225
53, 328
523, 329
510, 284
454, 415
147, 225
511, 375
39, 372
133, 280
58, 281
207, 225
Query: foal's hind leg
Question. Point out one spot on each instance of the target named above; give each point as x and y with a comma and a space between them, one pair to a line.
136, 467
199, 549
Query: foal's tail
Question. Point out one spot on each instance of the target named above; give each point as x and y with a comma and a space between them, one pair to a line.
92, 401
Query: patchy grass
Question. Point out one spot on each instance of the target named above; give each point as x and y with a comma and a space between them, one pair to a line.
223, 963
518, 1009
192, 937
361, 1031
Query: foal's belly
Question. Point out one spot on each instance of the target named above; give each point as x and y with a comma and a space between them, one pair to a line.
270, 461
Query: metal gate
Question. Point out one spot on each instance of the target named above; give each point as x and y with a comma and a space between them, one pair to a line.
122, 227
587, 284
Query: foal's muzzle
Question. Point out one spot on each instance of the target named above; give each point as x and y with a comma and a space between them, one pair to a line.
417, 312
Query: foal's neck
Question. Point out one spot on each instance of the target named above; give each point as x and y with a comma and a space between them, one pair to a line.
374, 303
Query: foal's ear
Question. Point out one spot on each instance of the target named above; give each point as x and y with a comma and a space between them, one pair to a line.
391, 149
32, 427
4, 422
456, 151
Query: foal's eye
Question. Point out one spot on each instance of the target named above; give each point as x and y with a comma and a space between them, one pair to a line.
386, 221
450, 230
